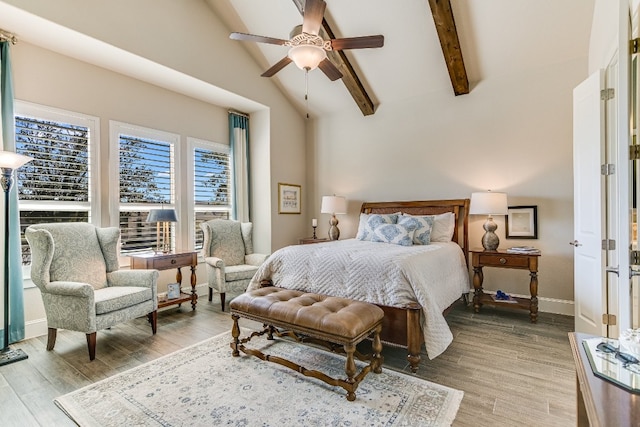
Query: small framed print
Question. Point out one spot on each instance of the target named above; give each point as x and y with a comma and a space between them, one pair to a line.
521, 222
288, 198
173, 290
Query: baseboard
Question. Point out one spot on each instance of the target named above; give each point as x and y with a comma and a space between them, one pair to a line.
545, 305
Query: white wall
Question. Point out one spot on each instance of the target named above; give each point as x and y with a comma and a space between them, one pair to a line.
512, 133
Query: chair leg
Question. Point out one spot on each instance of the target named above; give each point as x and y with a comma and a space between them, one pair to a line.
222, 296
210, 294
91, 343
153, 319
51, 338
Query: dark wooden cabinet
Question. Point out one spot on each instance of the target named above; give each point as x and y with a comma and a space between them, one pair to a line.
599, 402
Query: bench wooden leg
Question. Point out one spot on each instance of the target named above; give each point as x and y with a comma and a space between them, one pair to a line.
235, 333
350, 370
376, 363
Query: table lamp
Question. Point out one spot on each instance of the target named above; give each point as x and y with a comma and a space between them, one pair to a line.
335, 205
162, 218
489, 203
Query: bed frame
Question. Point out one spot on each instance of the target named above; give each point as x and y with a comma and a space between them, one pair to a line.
401, 326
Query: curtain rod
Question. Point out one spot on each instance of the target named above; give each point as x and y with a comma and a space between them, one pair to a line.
8, 37
240, 113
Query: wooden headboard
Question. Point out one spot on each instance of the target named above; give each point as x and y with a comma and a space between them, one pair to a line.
460, 207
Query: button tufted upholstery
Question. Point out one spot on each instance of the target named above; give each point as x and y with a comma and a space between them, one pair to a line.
321, 317
340, 317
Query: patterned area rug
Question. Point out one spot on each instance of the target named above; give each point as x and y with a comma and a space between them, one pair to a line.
204, 385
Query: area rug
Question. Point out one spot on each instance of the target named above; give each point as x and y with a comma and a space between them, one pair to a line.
203, 385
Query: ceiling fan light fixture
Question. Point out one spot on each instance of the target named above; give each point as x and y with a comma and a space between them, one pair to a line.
307, 57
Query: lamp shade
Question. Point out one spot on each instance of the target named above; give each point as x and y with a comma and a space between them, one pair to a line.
333, 205
488, 203
307, 56
162, 215
11, 160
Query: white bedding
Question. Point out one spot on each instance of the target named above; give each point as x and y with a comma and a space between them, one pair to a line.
433, 275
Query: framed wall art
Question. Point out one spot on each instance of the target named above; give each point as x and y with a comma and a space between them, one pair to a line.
289, 199
522, 222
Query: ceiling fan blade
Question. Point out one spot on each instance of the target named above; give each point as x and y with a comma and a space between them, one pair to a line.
329, 69
254, 38
313, 14
277, 67
358, 42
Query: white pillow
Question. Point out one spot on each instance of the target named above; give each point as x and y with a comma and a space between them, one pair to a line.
443, 226
398, 234
369, 221
423, 226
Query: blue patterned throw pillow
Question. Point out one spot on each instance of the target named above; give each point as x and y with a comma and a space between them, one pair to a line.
368, 222
422, 225
398, 234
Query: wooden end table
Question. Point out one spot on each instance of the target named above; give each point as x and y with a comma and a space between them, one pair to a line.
503, 259
162, 261
309, 240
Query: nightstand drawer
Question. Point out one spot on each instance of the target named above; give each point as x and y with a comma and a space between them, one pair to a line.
500, 260
172, 261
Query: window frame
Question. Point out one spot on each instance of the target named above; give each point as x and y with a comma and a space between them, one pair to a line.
116, 128
92, 123
192, 145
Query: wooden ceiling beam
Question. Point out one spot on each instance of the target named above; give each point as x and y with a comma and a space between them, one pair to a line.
349, 77
448, 35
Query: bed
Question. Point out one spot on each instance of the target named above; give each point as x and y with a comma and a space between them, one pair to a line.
414, 285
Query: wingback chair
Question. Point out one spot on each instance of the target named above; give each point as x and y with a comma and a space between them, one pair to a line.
75, 265
229, 257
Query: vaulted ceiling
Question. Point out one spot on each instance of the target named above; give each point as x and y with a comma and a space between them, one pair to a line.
430, 45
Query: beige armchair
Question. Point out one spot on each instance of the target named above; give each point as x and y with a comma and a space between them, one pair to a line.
229, 257
75, 265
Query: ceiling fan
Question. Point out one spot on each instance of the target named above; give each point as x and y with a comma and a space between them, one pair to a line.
307, 49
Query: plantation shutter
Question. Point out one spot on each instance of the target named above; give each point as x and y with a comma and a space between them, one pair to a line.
212, 186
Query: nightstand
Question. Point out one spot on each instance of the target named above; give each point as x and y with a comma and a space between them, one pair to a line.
503, 259
308, 240
162, 261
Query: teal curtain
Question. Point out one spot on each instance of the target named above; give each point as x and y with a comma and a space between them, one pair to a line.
16, 304
239, 143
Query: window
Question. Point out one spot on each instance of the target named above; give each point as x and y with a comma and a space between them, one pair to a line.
60, 184
212, 187
143, 165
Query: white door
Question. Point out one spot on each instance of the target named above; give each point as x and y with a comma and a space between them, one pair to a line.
588, 156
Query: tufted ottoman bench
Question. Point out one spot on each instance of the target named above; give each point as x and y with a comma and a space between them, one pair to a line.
313, 318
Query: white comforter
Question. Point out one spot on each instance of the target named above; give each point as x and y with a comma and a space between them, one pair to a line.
433, 275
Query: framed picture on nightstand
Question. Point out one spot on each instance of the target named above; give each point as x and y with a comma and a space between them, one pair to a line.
173, 290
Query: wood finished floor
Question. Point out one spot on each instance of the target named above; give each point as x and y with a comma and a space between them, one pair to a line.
513, 373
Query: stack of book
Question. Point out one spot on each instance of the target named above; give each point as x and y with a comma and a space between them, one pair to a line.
528, 250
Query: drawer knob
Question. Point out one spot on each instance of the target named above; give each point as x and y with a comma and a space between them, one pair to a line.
503, 261
173, 261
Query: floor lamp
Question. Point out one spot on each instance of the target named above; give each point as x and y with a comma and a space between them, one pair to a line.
9, 162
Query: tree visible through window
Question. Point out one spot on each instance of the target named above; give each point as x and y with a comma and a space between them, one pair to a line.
55, 186
146, 180
212, 185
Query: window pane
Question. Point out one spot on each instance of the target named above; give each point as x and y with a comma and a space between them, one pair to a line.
146, 171
60, 169
28, 218
211, 178
206, 216
136, 233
